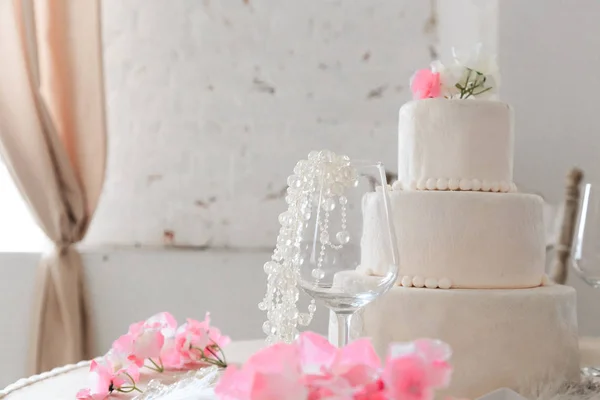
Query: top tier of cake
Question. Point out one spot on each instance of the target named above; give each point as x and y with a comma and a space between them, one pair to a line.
449, 144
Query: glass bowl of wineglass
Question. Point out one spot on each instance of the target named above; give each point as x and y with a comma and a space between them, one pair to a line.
585, 251
330, 248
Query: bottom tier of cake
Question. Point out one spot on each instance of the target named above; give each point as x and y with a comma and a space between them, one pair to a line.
516, 338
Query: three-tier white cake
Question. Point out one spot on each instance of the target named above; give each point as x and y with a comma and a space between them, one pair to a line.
472, 254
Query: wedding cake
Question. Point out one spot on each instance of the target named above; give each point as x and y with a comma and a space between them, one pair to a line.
472, 252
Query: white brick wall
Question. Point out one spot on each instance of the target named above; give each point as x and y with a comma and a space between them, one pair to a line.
211, 103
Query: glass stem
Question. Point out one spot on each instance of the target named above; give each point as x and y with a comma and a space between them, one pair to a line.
343, 322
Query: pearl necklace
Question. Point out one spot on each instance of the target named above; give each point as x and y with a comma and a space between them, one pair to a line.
322, 178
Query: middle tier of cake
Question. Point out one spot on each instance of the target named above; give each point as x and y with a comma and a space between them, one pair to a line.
459, 239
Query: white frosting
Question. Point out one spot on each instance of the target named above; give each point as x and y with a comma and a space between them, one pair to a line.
474, 239
499, 338
456, 140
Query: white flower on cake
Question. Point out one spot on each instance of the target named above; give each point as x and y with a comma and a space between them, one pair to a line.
450, 75
472, 74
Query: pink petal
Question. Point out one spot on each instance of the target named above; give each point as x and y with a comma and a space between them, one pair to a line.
135, 360
327, 387
440, 373
315, 349
123, 344
119, 381
234, 384
433, 350
360, 375
94, 366
406, 378
84, 394
207, 318
169, 320
171, 355
425, 84
275, 359
220, 339
148, 344
136, 328
103, 374
134, 371
360, 351
277, 387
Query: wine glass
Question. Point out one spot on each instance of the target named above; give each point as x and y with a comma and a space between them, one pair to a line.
330, 246
585, 257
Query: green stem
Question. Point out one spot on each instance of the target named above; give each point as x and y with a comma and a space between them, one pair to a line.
221, 352
130, 378
128, 389
218, 362
150, 367
483, 91
157, 368
222, 362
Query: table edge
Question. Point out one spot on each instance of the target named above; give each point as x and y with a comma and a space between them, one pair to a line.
24, 382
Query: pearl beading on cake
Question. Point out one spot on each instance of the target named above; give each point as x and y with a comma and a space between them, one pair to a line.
420, 282
474, 185
22, 383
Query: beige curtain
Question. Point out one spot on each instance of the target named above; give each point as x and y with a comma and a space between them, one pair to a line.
53, 140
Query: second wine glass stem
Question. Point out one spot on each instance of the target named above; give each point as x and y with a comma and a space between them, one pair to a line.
343, 322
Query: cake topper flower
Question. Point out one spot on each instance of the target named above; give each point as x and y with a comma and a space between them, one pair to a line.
472, 74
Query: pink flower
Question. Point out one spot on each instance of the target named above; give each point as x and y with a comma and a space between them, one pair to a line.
357, 363
406, 378
140, 343
195, 342
86, 394
313, 369
272, 373
414, 370
146, 339
425, 84
372, 391
107, 378
310, 369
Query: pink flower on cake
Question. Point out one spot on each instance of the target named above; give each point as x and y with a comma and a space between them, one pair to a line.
425, 84
196, 342
108, 378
